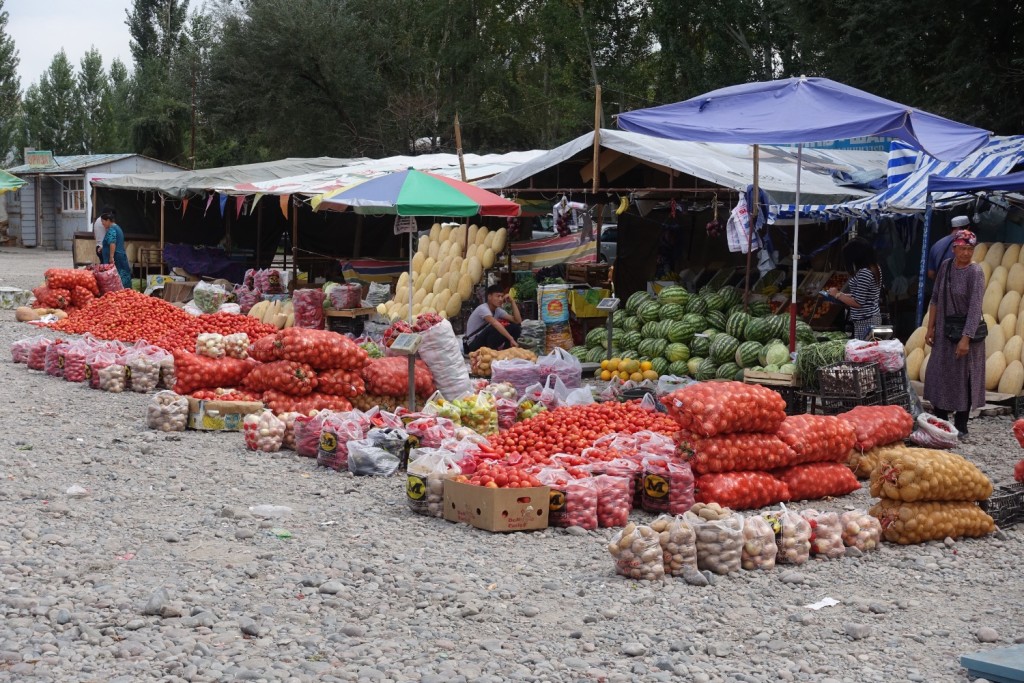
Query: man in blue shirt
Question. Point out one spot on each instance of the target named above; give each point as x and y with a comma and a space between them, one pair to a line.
943, 249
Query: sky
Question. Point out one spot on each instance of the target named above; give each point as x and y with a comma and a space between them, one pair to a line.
40, 28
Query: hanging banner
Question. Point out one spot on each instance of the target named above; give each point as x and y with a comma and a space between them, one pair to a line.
184, 206
255, 200
209, 200
285, 198
405, 224
223, 203
239, 203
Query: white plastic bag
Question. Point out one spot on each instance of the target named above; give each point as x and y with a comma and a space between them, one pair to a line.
167, 412
929, 433
517, 372
208, 297
888, 353
564, 365
428, 468
441, 351
579, 397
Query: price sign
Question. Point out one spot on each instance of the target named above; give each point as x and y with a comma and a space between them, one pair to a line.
406, 344
405, 224
609, 305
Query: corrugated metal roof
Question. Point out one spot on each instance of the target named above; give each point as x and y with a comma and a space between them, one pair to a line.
70, 164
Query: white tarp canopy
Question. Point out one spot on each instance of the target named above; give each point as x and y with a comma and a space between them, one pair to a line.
477, 167
725, 165
181, 183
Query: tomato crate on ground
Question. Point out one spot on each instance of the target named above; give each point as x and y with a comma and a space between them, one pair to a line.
1006, 504
833, 405
848, 379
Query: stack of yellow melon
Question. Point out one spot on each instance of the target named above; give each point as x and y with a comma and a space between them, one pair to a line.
448, 263
1003, 310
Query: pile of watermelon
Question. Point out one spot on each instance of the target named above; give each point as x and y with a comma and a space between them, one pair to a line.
704, 335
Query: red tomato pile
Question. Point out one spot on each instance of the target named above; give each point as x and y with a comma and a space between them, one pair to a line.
287, 376
710, 408
818, 438
879, 425
734, 452
129, 316
194, 372
390, 377
741, 490
499, 475
571, 429
817, 480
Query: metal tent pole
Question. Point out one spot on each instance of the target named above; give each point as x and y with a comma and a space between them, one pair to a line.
412, 356
796, 254
922, 271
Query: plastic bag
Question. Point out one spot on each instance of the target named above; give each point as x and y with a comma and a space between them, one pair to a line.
263, 432
638, 554
288, 441
269, 281
431, 431
336, 432
377, 294
309, 308
107, 278
719, 543
96, 361
759, 548
940, 431
112, 378
208, 297
573, 501
508, 413
580, 397
366, 459
144, 369
678, 544
669, 383
307, 432
167, 376
36, 357
888, 353
428, 468
346, 296
53, 358
74, 362
614, 500
167, 412
519, 373
860, 530
479, 413
668, 486
247, 298
826, 533
233, 309
210, 344
564, 365
441, 351
236, 345
632, 470
792, 535
20, 349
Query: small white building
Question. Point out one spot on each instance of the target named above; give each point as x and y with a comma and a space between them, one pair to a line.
56, 200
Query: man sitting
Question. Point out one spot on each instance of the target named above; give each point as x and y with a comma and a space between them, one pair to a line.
490, 326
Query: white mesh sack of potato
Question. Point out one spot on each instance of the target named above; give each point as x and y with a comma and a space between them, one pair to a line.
911, 523
759, 548
792, 535
861, 530
678, 544
918, 474
637, 552
719, 539
826, 533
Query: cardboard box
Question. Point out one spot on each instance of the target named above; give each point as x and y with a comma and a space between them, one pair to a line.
175, 292
221, 416
497, 509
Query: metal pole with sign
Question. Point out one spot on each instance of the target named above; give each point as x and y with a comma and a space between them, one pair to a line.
407, 344
609, 306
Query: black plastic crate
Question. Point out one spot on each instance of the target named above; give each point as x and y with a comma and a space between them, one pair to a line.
902, 400
353, 326
894, 384
1006, 504
833, 405
795, 398
847, 379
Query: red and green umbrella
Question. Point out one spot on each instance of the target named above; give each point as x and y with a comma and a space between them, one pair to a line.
417, 193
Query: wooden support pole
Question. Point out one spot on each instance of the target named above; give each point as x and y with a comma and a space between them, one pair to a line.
458, 147
295, 243
752, 213
596, 180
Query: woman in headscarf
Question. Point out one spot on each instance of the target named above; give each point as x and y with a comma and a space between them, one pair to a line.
955, 381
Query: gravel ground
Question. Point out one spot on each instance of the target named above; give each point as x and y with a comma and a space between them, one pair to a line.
160, 572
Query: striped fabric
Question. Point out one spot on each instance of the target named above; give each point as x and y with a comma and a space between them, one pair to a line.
555, 250
373, 270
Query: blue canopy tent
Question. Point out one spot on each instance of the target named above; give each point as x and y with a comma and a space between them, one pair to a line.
802, 110
1010, 182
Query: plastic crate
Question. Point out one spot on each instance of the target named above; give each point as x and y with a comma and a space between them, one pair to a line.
833, 405
1006, 505
796, 400
847, 379
894, 385
902, 400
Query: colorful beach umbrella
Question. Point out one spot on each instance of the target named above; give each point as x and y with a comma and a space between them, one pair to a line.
417, 193
9, 183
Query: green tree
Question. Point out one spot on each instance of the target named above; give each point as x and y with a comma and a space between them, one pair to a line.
10, 91
121, 104
97, 117
53, 109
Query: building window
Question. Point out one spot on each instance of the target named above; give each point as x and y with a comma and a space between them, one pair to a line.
74, 195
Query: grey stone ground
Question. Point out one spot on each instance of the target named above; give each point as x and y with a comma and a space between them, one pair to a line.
161, 573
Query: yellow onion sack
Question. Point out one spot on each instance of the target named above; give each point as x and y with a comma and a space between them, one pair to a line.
911, 523
917, 474
863, 462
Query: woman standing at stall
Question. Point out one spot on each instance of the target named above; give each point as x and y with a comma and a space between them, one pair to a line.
114, 251
955, 381
863, 292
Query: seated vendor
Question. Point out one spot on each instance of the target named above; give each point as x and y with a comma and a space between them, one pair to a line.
490, 325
